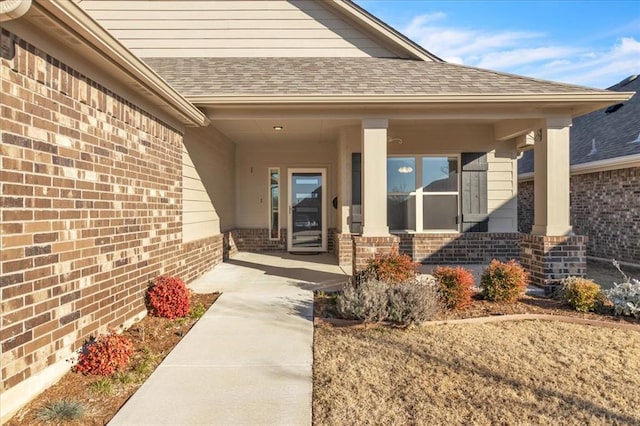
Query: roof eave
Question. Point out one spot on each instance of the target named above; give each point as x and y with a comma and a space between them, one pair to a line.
387, 32
624, 162
469, 98
80, 25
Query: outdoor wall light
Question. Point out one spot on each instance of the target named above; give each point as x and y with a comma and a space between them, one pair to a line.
278, 127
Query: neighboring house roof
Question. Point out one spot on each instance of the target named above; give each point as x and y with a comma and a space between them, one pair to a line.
603, 135
195, 77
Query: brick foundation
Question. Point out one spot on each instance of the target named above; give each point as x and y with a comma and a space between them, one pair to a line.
257, 240
365, 248
550, 259
460, 248
342, 248
91, 213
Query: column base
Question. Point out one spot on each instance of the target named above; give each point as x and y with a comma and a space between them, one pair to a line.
551, 259
365, 248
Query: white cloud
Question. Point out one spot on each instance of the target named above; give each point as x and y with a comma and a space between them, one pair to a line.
526, 52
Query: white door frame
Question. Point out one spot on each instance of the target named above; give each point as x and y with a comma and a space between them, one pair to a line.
323, 172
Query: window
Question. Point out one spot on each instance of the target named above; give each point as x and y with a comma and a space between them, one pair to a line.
274, 197
423, 193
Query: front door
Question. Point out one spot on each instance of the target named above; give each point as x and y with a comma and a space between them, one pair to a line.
307, 227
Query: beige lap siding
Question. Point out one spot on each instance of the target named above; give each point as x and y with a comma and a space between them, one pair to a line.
91, 210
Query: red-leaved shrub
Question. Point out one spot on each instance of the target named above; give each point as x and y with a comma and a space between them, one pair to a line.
503, 282
104, 355
455, 286
169, 297
391, 268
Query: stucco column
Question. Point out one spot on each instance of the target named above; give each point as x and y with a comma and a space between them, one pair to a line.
551, 176
374, 178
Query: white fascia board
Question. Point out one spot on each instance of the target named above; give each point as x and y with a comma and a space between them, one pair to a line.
584, 97
83, 27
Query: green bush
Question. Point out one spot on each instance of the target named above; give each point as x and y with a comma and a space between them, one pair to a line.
581, 294
503, 282
61, 411
391, 268
455, 286
405, 303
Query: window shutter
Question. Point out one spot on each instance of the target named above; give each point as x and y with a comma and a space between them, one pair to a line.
474, 192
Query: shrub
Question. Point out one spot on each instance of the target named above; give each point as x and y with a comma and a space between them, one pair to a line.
104, 355
169, 297
404, 303
455, 286
63, 410
413, 302
391, 268
503, 282
197, 311
365, 301
581, 294
625, 296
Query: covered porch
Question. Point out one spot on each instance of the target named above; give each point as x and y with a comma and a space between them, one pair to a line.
440, 187
358, 156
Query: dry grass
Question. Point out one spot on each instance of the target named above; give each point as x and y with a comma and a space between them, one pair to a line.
529, 372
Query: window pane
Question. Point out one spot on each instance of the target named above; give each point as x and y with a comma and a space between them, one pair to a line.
440, 174
274, 195
401, 212
439, 212
401, 174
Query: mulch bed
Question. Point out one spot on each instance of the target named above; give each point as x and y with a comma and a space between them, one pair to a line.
153, 339
325, 312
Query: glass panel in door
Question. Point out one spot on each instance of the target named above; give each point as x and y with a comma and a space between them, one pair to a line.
306, 211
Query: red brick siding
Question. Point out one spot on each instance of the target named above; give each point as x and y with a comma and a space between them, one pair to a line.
604, 207
91, 210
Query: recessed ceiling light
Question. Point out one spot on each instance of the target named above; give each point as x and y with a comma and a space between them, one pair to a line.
405, 169
278, 127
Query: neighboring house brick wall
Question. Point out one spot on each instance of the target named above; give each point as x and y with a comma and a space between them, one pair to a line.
91, 211
604, 207
525, 206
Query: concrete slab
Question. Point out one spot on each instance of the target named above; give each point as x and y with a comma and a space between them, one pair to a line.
248, 361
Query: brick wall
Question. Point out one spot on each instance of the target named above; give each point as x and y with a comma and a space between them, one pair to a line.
525, 206
342, 247
455, 248
550, 259
366, 248
257, 240
91, 211
604, 207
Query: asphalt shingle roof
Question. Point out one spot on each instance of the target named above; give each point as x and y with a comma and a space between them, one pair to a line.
340, 76
612, 132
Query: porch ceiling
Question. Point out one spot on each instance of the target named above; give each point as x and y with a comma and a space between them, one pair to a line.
319, 130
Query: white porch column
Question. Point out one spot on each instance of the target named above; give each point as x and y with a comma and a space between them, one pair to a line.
551, 214
374, 177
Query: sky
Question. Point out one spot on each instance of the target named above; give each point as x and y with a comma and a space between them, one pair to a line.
592, 43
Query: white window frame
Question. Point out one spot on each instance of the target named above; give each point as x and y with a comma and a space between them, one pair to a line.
418, 193
270, 203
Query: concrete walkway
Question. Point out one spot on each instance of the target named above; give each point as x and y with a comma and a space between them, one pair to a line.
248, 361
